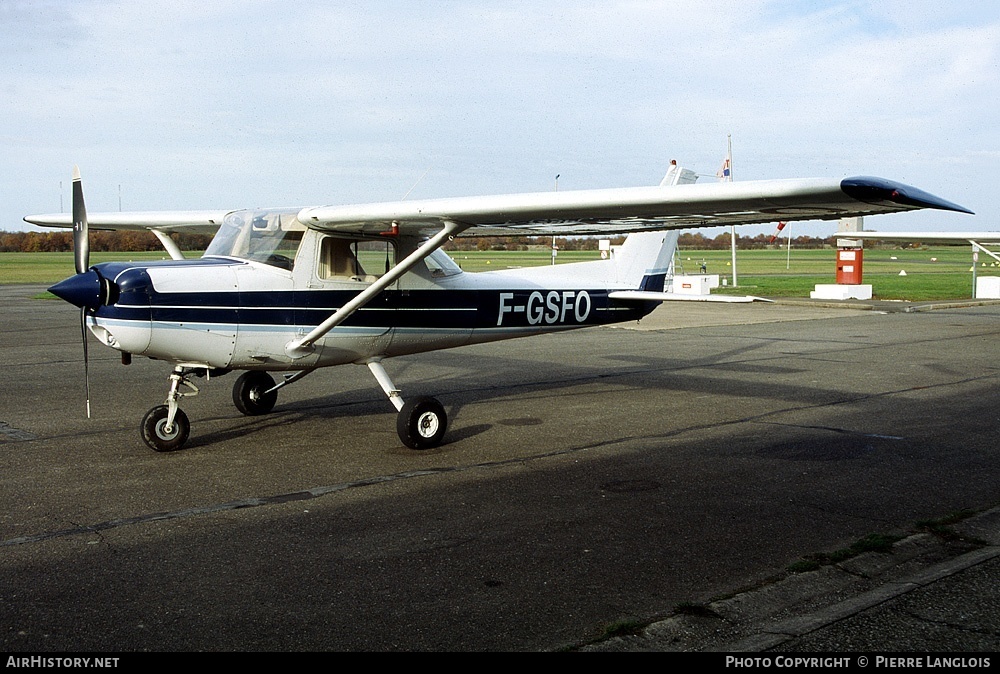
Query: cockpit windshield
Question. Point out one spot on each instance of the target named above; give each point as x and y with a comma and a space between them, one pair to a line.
271, 236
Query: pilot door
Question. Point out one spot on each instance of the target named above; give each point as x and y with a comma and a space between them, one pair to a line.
344, 268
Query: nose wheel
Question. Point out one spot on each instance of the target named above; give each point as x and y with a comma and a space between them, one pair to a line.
162, 435
166, 428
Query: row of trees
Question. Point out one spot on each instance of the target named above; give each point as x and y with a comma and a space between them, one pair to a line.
60, 242
699, 241
55, 242
687, 240
524, 243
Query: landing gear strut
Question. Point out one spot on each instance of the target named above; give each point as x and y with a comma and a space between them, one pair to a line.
421, 422
166, 428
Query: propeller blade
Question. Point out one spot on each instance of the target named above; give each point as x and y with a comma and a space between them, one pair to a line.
86, 365
81, 238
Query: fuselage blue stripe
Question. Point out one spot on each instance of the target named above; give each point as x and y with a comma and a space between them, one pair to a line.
461, 309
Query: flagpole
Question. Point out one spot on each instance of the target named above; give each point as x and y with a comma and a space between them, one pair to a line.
788, 259
729, 158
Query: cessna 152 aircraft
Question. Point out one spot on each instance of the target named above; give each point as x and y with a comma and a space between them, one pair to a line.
294, 290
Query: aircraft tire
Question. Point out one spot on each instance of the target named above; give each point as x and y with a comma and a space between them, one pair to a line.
249, 396
421, 423
154, 435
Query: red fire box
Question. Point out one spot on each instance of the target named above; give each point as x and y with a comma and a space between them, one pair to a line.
849, 266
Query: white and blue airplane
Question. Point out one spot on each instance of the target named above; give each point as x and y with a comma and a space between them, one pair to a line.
291, 290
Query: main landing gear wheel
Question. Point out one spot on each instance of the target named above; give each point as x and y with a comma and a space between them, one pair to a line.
156, 434
421, 423
250, 393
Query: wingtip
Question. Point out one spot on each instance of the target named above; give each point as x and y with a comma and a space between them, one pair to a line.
76, 173
875, 190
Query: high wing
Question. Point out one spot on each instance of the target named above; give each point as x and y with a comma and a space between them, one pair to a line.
195, 222
624, 210
573, 213
161, 223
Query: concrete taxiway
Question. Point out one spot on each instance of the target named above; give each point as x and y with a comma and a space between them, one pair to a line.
661, 474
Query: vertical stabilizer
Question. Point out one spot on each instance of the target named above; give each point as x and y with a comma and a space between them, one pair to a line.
678, 176
644, 260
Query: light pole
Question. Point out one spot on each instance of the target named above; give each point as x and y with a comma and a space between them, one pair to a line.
554, 236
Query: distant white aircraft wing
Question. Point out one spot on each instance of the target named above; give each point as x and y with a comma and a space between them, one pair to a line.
928, 237
633, 209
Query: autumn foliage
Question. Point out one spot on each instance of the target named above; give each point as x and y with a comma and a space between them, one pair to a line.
126, 241
100, 241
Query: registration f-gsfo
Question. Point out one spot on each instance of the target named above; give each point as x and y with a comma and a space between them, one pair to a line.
289, 291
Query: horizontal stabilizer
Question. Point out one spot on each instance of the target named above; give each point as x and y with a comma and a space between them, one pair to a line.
648, 296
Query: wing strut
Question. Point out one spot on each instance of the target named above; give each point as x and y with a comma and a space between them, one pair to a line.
299, 348
168, 244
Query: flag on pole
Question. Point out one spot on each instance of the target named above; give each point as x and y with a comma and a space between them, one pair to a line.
725, 174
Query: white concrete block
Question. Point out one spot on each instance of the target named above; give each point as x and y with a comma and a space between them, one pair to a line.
836, 291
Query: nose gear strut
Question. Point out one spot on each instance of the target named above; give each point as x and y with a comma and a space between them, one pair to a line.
166, 427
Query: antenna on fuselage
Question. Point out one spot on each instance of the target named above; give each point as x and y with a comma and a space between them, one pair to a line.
415, 184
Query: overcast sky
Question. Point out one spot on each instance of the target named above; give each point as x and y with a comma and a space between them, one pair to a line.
225, 104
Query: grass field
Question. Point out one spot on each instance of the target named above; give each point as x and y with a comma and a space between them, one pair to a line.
938, 273
47, 268
930, 273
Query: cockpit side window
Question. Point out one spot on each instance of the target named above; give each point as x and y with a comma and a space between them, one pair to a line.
359, 260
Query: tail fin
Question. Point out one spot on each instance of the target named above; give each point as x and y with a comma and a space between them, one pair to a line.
678, 176
645, 259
